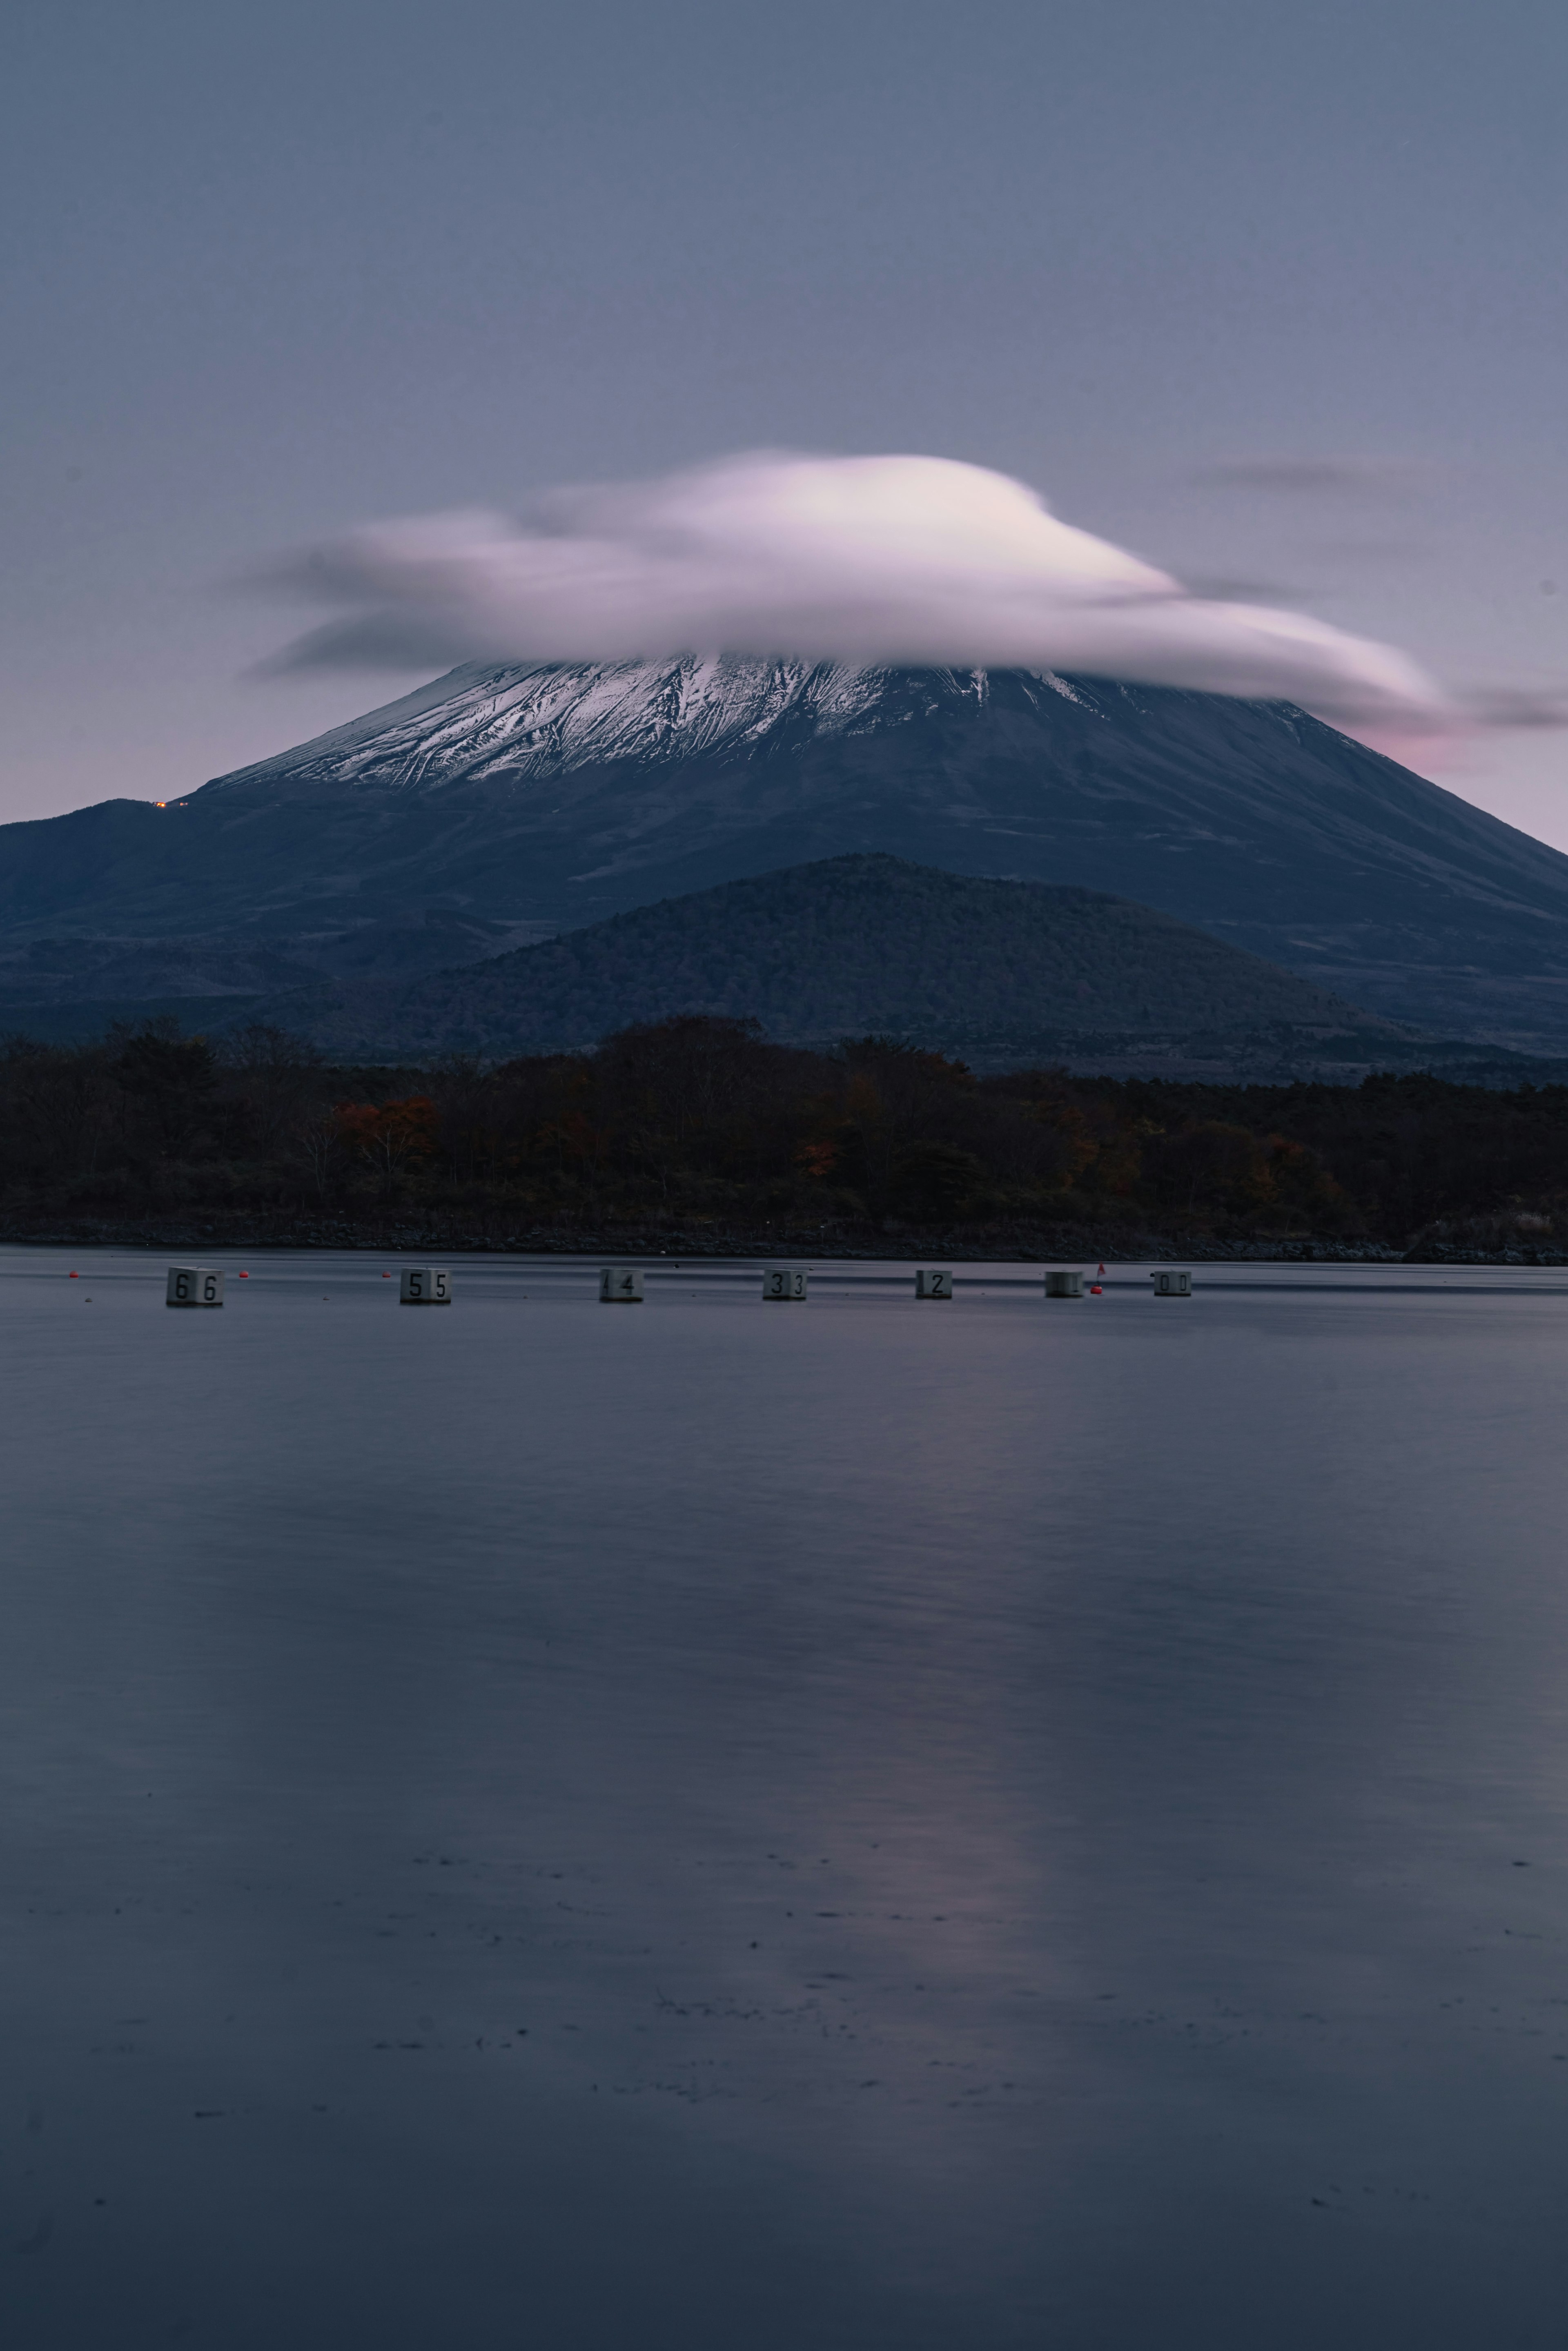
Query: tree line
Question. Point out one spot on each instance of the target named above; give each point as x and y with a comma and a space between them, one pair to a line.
695, 1123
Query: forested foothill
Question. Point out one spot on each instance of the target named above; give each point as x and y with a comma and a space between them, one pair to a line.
842, 948
699, 1135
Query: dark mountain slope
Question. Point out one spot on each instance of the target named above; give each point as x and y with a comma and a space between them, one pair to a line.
523, 800
855, 945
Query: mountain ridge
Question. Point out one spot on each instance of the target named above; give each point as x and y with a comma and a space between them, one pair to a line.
520, 800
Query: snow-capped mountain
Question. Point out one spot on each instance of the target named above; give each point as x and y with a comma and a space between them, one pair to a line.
512, 725
502, 803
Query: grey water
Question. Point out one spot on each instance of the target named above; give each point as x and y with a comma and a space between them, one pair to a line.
975, 1824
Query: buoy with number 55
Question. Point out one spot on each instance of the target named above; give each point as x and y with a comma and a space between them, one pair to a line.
425, 1285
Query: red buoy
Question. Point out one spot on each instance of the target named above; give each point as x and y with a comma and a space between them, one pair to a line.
76, 1277
1095, 1290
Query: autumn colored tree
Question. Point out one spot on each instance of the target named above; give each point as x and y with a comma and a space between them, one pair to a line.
390, 1137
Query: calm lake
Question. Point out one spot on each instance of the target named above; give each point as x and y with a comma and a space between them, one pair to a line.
868, 1825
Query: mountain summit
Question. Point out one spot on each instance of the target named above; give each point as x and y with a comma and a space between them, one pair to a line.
501, 804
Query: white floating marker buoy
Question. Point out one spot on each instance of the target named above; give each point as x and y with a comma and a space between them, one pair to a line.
425, 1285
783, 1282
1064, 1283
620, 1285
195, 1285
1171, 1285
929, 1282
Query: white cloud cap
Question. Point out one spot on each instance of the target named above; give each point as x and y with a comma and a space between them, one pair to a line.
861, 559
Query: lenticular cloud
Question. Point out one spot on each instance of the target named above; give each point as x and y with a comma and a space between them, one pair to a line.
861, 559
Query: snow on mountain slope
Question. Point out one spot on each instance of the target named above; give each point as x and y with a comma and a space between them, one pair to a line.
483, 723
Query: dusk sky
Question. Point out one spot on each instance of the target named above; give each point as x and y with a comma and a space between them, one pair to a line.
1271, 297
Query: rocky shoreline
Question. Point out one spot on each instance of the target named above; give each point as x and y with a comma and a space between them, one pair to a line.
1016, 1244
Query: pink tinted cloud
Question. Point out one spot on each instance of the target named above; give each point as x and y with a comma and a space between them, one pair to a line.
858, 560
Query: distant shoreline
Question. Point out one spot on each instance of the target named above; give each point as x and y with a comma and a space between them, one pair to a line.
1054, 1247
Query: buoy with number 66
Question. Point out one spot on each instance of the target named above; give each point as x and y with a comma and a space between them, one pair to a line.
195, 1285
620, 1285
425, 1285
784, 1282
1171, 1285
1064, 1282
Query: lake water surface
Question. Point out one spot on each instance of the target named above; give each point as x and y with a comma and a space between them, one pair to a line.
866, 1826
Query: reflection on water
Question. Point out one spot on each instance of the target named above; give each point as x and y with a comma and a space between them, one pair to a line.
982, 1824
